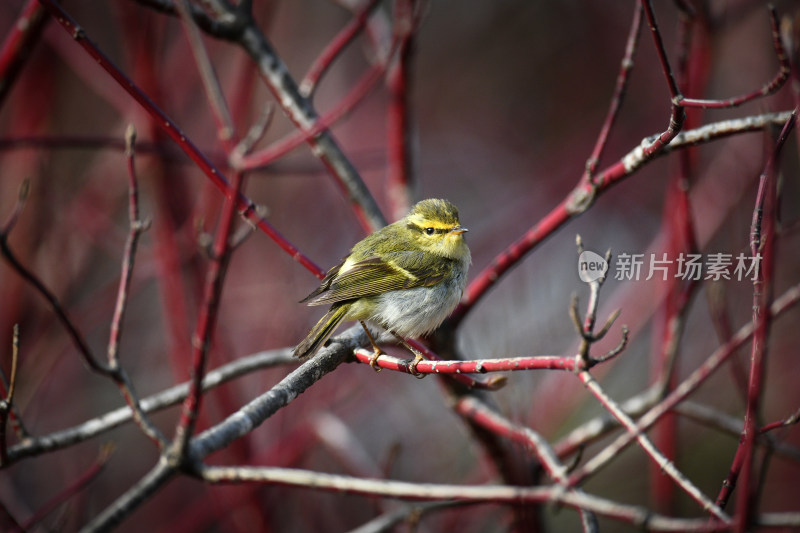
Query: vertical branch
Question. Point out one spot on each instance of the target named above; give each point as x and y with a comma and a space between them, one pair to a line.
678, 226
219, 107
398, 117
8, 401
626, 65
790, 37
201, 339
677, 114
137, 226
762, 236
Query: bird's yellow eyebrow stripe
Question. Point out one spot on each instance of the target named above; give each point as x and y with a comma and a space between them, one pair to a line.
423, 222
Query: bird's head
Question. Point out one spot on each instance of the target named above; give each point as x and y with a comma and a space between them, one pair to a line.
435, 227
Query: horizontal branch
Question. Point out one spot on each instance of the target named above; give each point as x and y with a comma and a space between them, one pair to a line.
704, 134
638, 516
32, 446
477, 366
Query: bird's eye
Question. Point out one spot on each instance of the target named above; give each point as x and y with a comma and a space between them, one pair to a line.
429, 231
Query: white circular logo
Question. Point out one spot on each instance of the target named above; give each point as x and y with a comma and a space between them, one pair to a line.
591, 266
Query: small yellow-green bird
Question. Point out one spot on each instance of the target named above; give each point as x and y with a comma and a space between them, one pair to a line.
406, 277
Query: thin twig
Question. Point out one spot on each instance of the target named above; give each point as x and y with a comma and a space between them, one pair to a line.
637, 516
334, 48
75, 335
206, 323
767, 89
667, 466
762, 236
94, 427
786, 301
7, 403
626, 66
246, 206
399, 167
214, 95
22, 36
136, 227
732, 425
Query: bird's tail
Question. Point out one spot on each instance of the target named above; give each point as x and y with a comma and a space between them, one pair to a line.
320, 333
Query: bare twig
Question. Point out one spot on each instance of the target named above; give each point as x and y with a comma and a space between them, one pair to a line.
22, 36
75, 335
94, 427
731, 425
769, 88
7, 403
762, 236
219, 107
206, 323
399, 176
334, 48
667, 466
137, 226
788, 300
634, 515
619, 93
247, 207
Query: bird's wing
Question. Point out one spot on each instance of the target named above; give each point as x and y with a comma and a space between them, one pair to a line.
375, 275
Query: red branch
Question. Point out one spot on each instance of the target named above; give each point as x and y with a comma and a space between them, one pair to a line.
247, 207
201, 339
398, 127
769, 88
762, 236
14, 52
335, 47
619, 93
477, 366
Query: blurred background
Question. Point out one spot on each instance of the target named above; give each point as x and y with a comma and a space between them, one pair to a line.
506, 101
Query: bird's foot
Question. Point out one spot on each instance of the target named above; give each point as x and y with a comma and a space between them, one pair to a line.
412, 366
373, 361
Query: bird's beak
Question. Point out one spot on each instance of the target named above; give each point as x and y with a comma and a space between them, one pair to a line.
458, 230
